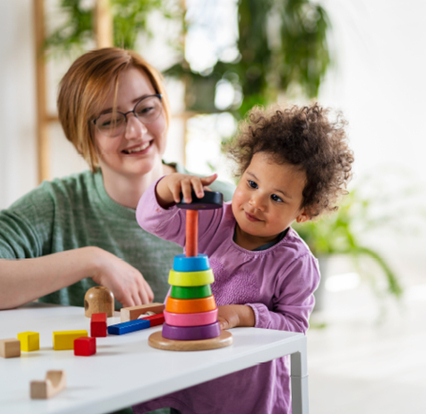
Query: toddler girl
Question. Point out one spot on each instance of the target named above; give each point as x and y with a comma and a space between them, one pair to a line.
294, 163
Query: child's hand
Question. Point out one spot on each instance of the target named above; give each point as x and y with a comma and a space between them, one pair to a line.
231, 316
170, 188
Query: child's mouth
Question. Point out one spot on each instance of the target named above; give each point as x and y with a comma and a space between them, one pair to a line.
140, 148
251, 218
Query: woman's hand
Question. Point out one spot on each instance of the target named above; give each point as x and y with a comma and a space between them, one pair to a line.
170, 188
125, 282
231, 316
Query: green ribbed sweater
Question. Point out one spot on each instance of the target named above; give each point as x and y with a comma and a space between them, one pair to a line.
73, 212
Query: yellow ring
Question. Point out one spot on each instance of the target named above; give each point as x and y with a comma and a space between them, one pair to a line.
204, 277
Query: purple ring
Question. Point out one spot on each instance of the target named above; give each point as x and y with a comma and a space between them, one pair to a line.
191, 333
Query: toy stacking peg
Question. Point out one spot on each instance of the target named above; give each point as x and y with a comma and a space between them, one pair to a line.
99, 299
191, 312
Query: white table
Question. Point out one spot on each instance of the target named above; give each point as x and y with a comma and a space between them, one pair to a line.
126, 370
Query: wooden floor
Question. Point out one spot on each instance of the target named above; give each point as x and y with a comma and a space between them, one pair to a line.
362, 362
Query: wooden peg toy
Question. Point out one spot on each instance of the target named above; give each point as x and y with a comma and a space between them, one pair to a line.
191, 312
211, 200
99, 299
10, 348
54, 383
30, 341
132, 312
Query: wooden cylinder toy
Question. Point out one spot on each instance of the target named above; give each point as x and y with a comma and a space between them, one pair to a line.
99, 299
191, 245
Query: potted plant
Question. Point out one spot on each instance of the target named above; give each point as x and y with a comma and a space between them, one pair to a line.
340, 234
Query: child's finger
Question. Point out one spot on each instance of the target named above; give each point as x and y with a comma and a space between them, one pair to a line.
197, 186
208, 180
186, 191
176, 191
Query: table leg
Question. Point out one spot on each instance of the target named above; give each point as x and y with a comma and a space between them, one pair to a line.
299, 381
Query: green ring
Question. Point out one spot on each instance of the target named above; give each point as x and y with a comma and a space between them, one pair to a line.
201, 278
191, 292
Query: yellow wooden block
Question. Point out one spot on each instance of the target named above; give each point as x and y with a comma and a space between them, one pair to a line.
65, 339
30, 341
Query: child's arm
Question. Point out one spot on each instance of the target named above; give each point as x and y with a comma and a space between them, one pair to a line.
291, 304
170, 188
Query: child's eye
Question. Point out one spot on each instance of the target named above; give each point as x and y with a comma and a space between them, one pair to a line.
276, 198
252, 184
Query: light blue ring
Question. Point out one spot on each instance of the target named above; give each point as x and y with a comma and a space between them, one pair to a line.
181, 263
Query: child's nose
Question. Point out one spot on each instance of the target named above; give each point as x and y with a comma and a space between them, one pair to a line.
257, 202
134, 127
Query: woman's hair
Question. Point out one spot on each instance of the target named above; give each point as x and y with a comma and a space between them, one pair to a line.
85, 88
306, 138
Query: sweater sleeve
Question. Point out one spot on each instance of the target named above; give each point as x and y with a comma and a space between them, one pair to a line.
293, 299
26, 227
168, 224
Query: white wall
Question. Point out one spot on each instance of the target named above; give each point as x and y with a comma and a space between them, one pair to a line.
17, 114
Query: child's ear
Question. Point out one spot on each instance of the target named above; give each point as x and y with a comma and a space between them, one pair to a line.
303, 216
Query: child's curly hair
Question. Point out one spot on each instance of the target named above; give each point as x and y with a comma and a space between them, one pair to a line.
304, 137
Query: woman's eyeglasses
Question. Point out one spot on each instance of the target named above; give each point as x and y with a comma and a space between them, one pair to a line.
112, 123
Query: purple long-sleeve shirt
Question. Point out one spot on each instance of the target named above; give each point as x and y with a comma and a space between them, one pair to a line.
277, 283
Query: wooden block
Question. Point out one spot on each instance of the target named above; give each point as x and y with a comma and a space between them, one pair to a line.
10, 348
65, 339
156, 340
154, 320
30, 341
127, 327
99, 299
98, 325
133, 312
54, 383
85, 346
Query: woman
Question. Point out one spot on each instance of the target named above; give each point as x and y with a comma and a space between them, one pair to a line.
81, 230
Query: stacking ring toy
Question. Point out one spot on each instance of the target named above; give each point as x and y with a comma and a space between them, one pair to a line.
205, 277
191, 319
190, 292
191, 333
190, 305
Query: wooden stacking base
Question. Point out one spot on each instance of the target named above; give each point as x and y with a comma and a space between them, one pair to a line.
156, 340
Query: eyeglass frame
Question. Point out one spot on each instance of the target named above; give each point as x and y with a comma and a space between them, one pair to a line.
157, 95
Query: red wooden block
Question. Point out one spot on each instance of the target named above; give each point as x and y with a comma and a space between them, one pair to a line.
154, 320
98, 325
85, 346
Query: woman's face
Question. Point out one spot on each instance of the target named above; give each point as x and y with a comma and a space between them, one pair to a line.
140, 147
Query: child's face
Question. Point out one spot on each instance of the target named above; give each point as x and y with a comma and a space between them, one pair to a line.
267, 200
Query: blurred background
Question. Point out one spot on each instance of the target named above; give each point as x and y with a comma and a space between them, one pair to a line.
364, 58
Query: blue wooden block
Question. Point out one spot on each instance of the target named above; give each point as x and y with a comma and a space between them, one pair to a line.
127, 327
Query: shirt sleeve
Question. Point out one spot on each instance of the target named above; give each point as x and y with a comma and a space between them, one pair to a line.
293, 300
25, 227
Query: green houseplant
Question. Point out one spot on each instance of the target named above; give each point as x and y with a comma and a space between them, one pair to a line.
340, 234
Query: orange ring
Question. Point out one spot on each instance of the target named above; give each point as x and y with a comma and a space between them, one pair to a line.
190, 305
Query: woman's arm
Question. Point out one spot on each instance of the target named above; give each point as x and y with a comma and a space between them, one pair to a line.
24, 280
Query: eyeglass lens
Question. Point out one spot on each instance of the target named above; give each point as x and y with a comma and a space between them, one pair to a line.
113, 124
